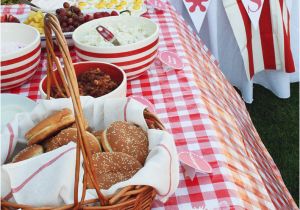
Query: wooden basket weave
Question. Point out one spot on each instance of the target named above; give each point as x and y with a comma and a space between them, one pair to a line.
130, 197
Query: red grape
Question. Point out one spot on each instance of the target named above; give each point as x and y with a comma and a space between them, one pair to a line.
76, 24
62, 12
71, 28
98, 15
66, 5
70, 17
72, 8
70, 21
64, 18
63, 24
3, 18
12, 19
105, 14
75, 17
114, 13
76, 10
69, 14
81, 19
88, 18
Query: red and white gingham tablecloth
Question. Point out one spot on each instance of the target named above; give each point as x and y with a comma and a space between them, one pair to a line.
205, 114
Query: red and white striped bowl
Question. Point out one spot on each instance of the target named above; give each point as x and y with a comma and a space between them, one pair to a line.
17, 67
134, 58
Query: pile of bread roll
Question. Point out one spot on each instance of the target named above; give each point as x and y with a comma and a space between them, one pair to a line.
118, 152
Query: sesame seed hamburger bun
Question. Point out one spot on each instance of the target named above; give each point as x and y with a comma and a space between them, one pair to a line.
70, 134
113, 167
85, 123
98, 135
49, 126
126, 137
28, 152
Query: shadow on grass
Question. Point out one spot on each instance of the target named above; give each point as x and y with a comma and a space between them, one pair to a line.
277, 122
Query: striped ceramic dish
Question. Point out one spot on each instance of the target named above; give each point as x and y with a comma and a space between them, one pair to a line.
134, 58
18, 66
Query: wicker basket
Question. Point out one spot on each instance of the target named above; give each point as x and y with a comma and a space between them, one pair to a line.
130, 197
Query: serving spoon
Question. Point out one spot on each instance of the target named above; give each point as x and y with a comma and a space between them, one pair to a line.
108, 35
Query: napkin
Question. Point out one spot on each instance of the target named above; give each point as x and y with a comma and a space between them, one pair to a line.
48, 179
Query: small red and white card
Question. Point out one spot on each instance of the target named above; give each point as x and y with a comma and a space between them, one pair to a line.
170, 59
193, 163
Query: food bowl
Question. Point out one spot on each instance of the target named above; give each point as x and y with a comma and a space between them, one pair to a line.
115, 72
133, 58
22, 46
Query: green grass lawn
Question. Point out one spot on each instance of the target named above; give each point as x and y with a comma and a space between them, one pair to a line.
277, 122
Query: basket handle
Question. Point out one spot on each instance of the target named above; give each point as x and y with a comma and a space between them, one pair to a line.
69, 80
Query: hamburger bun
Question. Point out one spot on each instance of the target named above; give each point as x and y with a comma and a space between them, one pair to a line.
28, 152
85, 123
98, 135
49, 126
126, 137
70, 134
113, 167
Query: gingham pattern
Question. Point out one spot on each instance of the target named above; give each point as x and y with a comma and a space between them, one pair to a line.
205, 114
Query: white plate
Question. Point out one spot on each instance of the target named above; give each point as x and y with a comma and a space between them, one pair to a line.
11, 104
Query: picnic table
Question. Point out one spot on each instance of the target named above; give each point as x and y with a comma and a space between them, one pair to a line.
205, 114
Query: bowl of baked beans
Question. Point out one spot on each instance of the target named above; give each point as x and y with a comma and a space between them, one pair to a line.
96, 79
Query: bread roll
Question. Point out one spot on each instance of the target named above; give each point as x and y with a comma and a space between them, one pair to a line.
49, 126
113, 167
126, 137
86, 125
28, 152
70, 134
98, 135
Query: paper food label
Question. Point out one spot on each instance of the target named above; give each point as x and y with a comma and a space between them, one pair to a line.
253, 8
193, 163
157, 4
170, 59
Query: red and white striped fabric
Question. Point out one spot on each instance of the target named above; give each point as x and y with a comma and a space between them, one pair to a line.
268, 46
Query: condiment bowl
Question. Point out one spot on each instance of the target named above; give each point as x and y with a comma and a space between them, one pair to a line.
20, 64
115, 73
134, 58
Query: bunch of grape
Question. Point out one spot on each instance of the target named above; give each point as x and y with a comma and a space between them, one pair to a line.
98, 15
7, 18
70, 17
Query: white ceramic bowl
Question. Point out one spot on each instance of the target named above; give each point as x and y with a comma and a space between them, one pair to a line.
18, 66
115, 72
134, 58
